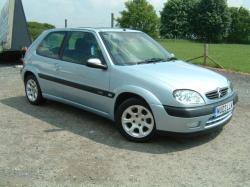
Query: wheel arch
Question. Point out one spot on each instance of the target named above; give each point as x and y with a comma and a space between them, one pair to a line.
125, 96
29, 70
135, 92
28, 73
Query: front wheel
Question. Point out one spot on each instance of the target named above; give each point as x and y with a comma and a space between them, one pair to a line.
135, 120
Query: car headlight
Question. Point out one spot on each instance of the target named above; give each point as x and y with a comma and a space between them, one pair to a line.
188, 97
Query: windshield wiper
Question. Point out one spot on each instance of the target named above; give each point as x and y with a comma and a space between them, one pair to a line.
156, 60
152, 60
171, 59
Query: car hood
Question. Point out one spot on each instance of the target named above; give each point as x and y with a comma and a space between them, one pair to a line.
180, 75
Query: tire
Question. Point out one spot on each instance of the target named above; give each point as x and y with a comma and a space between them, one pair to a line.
33, 91
135, 120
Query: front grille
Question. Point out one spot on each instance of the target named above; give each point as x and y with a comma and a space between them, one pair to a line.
217, 94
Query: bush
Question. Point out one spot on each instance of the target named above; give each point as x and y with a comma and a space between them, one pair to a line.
212, 20
176, 19
140, 15
240, 27
36, 28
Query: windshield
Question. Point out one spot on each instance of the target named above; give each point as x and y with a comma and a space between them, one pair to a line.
131, 48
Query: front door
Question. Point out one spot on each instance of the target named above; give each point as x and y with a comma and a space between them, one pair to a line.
79, 83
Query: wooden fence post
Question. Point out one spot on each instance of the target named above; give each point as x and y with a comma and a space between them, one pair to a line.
66, 23
206, 57
112, 20
205, 54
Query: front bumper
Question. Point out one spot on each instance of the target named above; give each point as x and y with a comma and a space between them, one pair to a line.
193, 119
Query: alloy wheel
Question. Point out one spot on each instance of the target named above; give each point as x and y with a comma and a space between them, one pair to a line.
32, 90
137, 121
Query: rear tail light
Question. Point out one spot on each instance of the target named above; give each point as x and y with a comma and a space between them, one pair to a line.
24, 50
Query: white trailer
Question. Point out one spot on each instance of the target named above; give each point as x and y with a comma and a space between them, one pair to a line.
14, 33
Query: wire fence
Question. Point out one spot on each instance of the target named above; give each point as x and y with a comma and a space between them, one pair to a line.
206, 58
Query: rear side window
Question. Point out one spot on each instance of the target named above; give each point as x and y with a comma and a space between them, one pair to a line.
51, 45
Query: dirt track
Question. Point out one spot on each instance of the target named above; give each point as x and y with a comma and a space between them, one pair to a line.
59, 145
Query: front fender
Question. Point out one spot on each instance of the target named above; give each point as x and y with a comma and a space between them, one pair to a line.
148, 96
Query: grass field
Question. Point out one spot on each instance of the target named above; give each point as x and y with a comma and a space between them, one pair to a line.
231, 56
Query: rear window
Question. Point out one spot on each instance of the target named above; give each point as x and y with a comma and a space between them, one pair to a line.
51, 45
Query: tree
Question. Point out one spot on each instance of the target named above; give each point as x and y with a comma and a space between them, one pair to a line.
140, 15
36, 28
212, 20
176, 18
240, 27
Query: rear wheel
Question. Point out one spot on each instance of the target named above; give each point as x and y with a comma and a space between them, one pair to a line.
33, 90
135, 120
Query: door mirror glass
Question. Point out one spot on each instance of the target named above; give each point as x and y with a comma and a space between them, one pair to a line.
172, 55
96, 63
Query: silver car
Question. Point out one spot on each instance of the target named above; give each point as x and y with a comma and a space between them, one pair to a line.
126, 76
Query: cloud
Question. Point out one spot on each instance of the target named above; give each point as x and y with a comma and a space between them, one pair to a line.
158, 4
236, 3
78, 12
246, 4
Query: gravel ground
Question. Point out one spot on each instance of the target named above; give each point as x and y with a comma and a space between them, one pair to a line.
58, 145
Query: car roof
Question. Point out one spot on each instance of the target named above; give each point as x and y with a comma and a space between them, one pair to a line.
97, 29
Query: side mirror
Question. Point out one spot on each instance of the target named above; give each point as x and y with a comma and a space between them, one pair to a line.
96, 63
172, 55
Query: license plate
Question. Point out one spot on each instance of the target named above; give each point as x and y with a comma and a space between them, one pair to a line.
223, 109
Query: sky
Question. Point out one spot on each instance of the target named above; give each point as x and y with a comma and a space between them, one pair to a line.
85, 13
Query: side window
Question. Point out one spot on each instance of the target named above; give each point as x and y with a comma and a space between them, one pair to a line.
80, 47
51, 45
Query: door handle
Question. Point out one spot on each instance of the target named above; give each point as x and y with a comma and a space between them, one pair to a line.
57, 67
